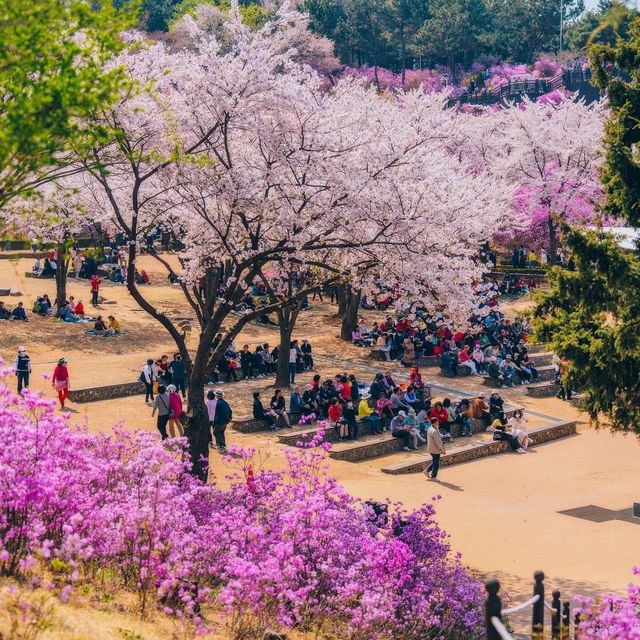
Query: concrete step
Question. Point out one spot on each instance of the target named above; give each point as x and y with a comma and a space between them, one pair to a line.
539, 435
368, 446
545, 374
542, 389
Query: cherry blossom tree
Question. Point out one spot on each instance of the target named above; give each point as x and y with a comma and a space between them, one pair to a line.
254, 166
549, 153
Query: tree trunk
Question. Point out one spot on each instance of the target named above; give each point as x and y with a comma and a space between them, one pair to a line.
287, 321
553, 240
61, 275
350, 318
342, 300
198, 434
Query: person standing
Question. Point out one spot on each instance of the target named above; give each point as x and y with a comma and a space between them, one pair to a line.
162, 405
95, 289
221, 419
175, 404
147, 376
60, 381
293, 361
435, 447
176, 369
22, 367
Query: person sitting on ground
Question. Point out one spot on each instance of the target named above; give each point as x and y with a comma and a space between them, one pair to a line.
36, 270
519, 429
259, 412
48, 270
279, 408
78, 309
480, 409
66, 315
19, 313
99, 327
400, 430
368, 416
496, 406
397, 401
335, 417
144, 277
500, 434
4, 312
114, 328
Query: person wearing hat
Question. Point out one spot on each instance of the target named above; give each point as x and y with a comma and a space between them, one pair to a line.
500, 434
508, 370
493, 371
222, 417
22, 367
412, 422
435, 447
480, 410
60, 381
368, 416
402, 431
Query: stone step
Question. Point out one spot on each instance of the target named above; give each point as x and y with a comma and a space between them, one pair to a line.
545, 374
248, 424
542, 389
539, 435
368, 446
106, 392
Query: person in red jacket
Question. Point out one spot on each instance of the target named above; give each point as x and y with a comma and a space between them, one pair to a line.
95, 289
60, 381
442, 415
335, 415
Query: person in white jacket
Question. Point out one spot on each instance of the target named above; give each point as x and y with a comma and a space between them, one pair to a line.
148, 376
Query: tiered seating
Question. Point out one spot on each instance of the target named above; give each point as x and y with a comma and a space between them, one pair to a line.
545, 374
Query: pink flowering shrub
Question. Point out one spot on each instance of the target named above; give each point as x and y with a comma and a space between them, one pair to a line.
611, 618
288, 549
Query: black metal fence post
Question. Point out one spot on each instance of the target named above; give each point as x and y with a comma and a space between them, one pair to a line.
537, 621
555, 616
492, 608
576, 633
566, 621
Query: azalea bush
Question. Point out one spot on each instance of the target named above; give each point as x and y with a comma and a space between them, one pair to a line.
288, 549
612, 617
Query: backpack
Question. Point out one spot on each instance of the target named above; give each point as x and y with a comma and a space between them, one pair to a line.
142, 377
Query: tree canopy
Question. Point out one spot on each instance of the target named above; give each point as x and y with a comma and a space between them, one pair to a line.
592, 314
52, 72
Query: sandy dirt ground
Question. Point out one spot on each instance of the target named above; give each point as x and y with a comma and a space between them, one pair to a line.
502, 512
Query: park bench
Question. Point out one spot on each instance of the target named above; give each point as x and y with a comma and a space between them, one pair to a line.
537, 435
543, 389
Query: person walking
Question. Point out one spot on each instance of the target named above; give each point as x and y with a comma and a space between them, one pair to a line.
148, 376
162, 405
293, 361
435, 448
175, 404
60, 381
22, 367
95, 289
221, 419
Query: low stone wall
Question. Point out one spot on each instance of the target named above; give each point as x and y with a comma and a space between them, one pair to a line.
545, 374
542, 390
495, 447
107, 392
249, 424
427, 361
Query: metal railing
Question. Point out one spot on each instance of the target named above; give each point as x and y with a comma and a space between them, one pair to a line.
562, 626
